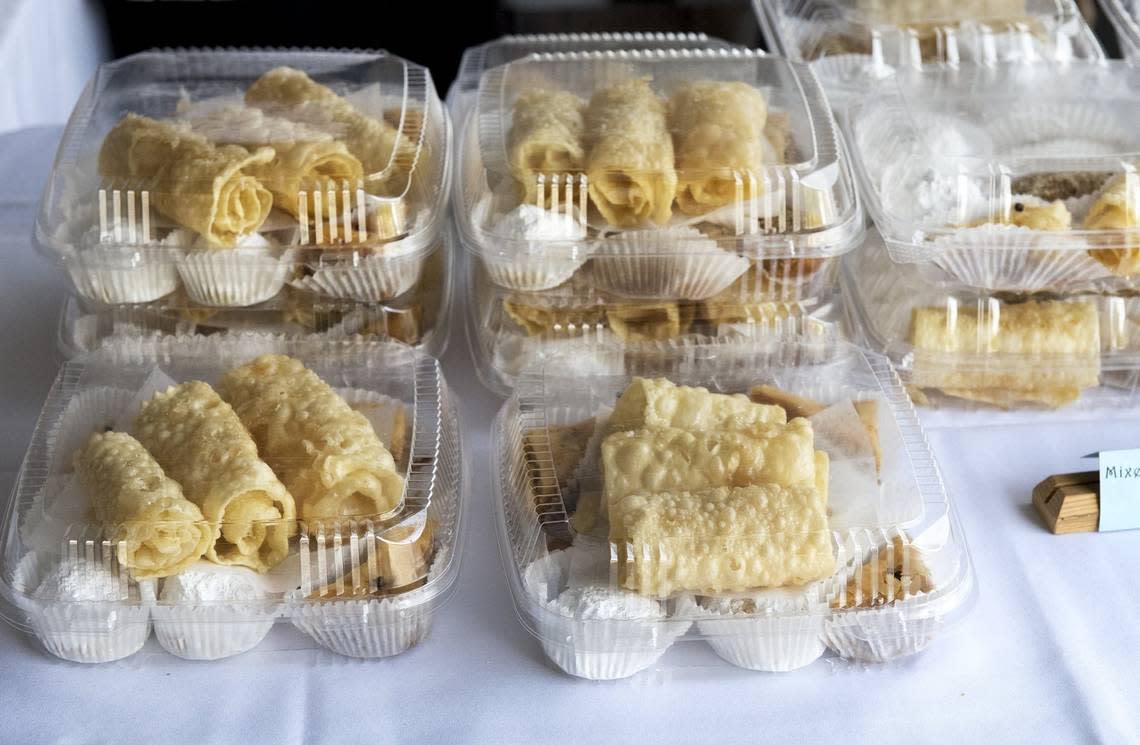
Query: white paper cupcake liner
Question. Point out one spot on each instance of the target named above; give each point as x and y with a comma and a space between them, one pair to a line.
1039, 124
774, 645
373, 279
532, 273
77, 631
596, 649
89, 411
786, 635
207, 633
373, 628
574, 646
236, 277
1012, 258
680, 263
101, 273
880, 635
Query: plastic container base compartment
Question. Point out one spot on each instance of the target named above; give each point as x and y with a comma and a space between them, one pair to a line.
959, 349
597, 333
804, 518
731, 224
159, 494
853, 43
416, 317
215, 184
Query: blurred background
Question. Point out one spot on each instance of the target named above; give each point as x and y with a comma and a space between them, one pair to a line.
48, 48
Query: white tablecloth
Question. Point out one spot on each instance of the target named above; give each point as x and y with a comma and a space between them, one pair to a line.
48, 50
1051, 652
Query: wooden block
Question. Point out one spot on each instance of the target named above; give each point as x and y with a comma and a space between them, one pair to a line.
1069, 502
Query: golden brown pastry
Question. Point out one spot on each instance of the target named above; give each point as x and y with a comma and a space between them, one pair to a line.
200, 443
1066, 330
386, 155
545, 138
326, 454
629, 162
718, 138
155, 530
1117, 208
896, 572
201, 186
633, 322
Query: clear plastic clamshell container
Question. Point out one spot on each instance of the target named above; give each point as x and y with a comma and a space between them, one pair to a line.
204, 181
1010, 350
209, 512
853, 42
1016, 180
416, 318
635, 513
607, 181
478, 59
1125, 18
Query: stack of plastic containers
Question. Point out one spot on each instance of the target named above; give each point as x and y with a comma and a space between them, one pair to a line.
628, 527
653, 235
294, 192
1008, 203
188, 532
851, 44
649, 200
1125, 18
858, 37
247, 433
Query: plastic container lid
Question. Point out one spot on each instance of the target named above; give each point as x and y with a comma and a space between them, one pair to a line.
993, 349
360, 583
862, 39
605, 603
1012, 179
1125, 18
316, 158
478, 59
675, 147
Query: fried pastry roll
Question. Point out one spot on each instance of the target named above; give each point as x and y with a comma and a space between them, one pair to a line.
326, 453
200, 442
156, 531
629, 163
718, 136
199, 185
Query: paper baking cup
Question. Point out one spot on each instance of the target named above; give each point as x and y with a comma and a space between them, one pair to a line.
880, 634
206, 633
1043, 123
604, 649
774, 645
532, 273
1013, 258
102, 274
789, 280
236, 277
373, 279
78, 631
681, 263
789, 636
89, 411
373, 628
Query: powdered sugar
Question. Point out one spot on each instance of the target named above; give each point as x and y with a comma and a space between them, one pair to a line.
533, 223
81, 581
604, 603
209, 583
